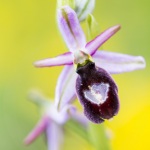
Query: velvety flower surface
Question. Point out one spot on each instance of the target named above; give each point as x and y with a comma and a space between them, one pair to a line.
97, 92
52, 121
75, 40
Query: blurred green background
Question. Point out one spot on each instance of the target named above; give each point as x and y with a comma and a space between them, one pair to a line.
28, 32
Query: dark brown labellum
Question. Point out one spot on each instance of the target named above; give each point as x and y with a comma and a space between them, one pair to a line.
97, 93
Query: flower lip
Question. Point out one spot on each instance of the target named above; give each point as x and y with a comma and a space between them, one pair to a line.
97, 93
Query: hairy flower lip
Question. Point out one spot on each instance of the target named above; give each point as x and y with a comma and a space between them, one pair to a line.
99, 102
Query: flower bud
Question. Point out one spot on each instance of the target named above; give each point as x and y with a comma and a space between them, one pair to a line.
97, 92
70, 3
83, 8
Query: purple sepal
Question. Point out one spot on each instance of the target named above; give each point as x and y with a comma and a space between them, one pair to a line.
63, 59
115, 63
70, 29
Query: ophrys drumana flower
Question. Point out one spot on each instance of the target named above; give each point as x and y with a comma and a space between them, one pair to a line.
108, 62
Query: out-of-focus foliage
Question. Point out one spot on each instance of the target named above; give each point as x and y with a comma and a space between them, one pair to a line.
70, 3
28, 32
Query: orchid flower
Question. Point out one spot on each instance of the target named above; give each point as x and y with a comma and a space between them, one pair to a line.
52, 121
108, 62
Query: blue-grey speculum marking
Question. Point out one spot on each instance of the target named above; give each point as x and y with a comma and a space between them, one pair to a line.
97, 93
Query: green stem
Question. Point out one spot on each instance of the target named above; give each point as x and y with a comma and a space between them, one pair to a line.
98, 137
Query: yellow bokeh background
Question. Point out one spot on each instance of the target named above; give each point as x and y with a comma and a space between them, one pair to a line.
28, 32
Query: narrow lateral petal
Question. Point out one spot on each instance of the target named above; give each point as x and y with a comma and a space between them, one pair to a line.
97, 92
38, 129
70, 28
54, 135
65, 90
64, 59
116, 63
93, 45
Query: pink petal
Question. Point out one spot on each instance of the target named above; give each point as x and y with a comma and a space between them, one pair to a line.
38, 129
70, 28
118, 63
93, 45
64, 59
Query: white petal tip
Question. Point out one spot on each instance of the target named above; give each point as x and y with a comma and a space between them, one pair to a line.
37, 64
141, 61
27, 141
43, 63
116, 28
